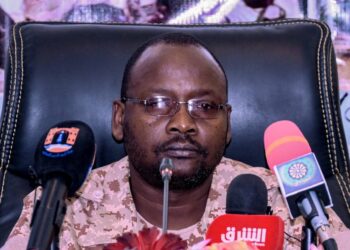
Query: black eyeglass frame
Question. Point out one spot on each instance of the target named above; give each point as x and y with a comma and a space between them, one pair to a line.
175, 109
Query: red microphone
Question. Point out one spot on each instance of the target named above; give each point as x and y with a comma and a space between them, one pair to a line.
246, 206
264, 231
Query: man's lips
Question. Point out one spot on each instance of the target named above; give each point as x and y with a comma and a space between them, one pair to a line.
181, 151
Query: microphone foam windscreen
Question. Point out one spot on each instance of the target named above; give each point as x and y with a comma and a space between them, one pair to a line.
66, 149
284, 141
246, 194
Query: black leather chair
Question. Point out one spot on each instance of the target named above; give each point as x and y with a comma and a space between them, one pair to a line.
276, 70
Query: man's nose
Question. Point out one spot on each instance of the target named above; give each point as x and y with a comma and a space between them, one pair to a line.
182, 122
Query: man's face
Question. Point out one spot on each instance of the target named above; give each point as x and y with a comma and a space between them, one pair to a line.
195, 145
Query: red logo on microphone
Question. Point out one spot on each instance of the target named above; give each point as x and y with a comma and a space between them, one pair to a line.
264, 231
60, 140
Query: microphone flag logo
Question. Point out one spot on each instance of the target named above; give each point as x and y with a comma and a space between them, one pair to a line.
298, 170
59, 141
299, 174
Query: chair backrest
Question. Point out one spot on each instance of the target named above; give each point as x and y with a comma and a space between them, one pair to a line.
276, 70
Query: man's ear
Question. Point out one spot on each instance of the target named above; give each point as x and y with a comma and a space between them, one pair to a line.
229, 132
118, 120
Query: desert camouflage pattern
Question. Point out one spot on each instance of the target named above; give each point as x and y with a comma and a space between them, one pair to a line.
103, 209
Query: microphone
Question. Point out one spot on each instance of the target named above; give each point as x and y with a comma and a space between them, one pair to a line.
63, 158
246, 206
301, 180
166, 170
246, 194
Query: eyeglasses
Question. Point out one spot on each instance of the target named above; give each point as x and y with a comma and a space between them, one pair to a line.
165, 106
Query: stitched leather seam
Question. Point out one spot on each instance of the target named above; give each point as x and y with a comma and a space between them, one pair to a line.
338, 176
332, 145
330, 135
19, 92
10, 103
338, 127
320, 92
13, 95
335, 170
17, 104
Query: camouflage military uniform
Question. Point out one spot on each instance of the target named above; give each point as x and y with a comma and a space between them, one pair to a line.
104, 209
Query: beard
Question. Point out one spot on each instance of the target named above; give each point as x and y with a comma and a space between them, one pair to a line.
149, 171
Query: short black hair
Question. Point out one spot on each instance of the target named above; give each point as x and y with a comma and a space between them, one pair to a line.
180, 39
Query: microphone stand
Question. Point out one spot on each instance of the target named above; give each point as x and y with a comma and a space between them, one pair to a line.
166, 170
165, 204
48, 214
308, 237
314, 214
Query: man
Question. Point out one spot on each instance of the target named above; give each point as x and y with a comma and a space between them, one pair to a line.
173, 104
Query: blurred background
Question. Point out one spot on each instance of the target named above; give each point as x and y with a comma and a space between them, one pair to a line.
336, 13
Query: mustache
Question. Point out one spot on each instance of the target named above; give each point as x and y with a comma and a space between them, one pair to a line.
185, 139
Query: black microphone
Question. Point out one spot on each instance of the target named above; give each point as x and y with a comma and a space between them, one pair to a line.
246, 194
63, 158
